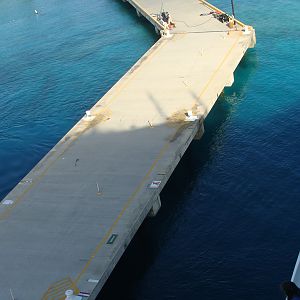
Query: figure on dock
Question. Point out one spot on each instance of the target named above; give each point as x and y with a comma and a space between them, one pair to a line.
166, 20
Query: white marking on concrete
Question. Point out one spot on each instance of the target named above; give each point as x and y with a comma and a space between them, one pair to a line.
93, 280
155, 184
7, 202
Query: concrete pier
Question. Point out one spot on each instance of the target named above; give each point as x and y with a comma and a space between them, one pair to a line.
67, 223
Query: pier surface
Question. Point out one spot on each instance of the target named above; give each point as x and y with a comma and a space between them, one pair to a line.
67, 223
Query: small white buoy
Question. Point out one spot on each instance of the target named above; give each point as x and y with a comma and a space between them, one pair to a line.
36, 12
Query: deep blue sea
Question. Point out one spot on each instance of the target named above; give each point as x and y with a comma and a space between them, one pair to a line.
230, 217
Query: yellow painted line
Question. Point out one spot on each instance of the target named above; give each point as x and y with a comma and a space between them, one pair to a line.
142, 183
57, 290
219, 67
128, 202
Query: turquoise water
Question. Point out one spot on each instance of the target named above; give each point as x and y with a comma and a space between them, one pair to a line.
55, 66
229, 223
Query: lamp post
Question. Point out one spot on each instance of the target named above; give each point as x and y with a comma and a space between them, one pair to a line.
232, 6
233, 13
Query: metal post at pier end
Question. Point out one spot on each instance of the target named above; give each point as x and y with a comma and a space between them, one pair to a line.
233, 13
232, 6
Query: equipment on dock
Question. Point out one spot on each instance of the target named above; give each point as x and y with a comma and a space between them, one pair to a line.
222, 17
207, 14
166, 20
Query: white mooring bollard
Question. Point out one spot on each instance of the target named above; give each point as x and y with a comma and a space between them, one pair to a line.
69, 294
88, 116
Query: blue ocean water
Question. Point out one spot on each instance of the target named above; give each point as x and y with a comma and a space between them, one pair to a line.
228, 227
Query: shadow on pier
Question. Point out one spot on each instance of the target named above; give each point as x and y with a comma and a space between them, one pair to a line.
143, 253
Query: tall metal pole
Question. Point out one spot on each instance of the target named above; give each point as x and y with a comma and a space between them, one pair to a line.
232, 6
233, 13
